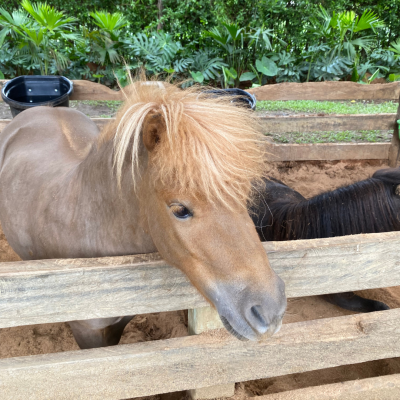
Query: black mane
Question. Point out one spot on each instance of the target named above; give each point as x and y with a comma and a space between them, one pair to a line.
369, 206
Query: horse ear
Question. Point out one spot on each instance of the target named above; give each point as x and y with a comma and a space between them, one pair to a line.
151, 132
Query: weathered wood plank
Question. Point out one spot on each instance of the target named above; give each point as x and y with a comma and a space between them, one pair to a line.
394, 151
213, 392
378, 388
87, 90
320, 266
327, 151
33, 292
206, 360
202, 320
312, 123
327, 91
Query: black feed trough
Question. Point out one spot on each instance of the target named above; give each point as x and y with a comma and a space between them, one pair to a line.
241, 96
30, 91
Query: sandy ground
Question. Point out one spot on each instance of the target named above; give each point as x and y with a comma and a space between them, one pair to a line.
309, 179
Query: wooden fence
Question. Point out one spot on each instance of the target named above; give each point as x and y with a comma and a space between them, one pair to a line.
86, 90
45, 291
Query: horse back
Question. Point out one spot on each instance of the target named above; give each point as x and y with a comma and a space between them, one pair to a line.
50, 133
40, 151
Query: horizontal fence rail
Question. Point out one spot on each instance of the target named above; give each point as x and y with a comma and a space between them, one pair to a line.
327, 151
317, 151
43, 291
313, 123
87, 90
327, 91
377, 388
209, 359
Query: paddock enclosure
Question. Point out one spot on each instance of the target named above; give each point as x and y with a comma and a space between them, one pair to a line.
209, 361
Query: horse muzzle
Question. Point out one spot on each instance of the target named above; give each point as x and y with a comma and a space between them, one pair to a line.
250, 314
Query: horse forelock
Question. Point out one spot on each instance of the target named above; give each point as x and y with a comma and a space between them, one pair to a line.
208, 146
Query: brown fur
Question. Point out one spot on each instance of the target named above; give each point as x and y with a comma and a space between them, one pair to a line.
61, 198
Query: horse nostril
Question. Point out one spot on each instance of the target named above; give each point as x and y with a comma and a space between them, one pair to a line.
261, 323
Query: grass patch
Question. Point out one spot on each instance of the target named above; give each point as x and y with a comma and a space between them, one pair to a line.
113, 105
332, 137
292, 106
328, 107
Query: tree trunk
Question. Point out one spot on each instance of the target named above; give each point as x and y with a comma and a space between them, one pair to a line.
160, 10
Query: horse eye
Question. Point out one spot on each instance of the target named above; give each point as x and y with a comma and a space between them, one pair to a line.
180, 211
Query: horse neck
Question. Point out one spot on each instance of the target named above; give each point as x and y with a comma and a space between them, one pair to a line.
364, 207
114, 210
95, 173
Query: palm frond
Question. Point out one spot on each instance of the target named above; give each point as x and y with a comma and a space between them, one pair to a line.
220, 37
368, 20
395, 47
109, 21
233, 30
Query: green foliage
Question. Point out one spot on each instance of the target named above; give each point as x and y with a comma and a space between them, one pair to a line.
394, 77
395, 47
288, 70
38, 34
204, 67
340, 30
238, 45
106, 41
159, 52
233, 41
223, 42
108, 22
331, 69
11, 23
265, 67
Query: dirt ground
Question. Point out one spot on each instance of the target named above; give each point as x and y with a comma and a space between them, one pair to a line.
309, 179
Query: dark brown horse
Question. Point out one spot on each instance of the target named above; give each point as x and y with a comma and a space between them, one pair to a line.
368, 206
172, 174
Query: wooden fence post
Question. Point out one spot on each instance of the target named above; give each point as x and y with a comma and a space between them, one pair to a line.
394, 150
201, 320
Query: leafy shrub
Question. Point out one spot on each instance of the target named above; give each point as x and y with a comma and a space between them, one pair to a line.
218, 43
38, 35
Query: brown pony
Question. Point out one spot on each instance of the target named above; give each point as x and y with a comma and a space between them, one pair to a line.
172, 174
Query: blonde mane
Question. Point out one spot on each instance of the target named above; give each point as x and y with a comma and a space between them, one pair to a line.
208, 147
